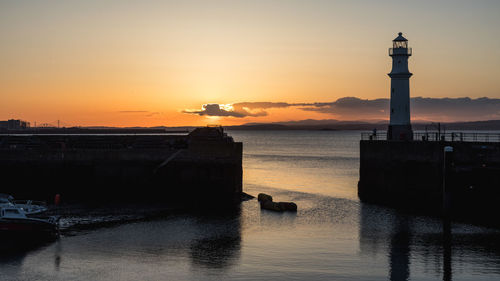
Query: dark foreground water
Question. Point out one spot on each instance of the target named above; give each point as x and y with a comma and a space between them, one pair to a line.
332, 236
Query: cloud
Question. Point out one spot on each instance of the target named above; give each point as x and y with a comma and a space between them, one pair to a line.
240, 109
226, 110
145, 113
261, 105
459, 109
151, 114
352, 108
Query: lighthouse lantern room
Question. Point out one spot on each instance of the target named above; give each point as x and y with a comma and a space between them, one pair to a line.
399, 125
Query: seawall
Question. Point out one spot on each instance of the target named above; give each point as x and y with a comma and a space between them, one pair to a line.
409, 175
203, 166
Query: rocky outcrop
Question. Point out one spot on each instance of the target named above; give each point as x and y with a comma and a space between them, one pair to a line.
266, 202
270, 205
288, 206
264, 197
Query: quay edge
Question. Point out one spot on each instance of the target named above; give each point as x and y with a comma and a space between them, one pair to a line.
409, 175
199, 168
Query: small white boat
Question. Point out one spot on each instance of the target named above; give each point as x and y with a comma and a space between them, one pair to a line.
15, 222
29, 207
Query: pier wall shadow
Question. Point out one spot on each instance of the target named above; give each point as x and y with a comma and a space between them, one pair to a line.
440, 246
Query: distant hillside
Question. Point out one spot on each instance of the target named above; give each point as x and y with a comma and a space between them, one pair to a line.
476, 125
332, 124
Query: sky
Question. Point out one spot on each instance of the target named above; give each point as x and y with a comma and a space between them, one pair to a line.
152, 63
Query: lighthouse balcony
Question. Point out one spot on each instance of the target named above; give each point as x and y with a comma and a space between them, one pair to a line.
400, 52
437, 136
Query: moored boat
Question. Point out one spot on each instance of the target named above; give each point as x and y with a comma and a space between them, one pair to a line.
15, 223
30, 207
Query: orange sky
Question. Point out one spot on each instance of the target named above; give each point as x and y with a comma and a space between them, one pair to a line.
140, 63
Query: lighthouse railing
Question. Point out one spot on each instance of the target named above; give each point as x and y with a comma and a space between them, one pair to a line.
400, 51
439, 136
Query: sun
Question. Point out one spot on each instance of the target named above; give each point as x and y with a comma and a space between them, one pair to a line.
226, 107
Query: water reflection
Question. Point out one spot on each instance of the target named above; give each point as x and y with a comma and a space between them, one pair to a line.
319, 242
438, 246
12, 246
220, 243
57, 256
447, 268
201, 241
399, 253
15, 248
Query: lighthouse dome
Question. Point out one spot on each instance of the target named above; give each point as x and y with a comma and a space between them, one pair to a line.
400, 37
400, 42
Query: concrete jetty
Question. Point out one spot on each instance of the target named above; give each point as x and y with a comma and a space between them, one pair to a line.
409, 174
195, 168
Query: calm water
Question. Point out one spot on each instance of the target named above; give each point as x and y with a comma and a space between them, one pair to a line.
332, 237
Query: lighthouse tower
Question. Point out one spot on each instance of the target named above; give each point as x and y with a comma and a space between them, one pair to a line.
399, 126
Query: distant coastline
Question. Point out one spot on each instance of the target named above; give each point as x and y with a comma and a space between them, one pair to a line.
312, 125
364, 126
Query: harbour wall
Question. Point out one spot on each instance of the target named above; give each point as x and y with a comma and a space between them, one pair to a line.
197, 168
409, 175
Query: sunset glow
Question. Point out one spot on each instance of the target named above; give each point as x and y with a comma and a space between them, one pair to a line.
118, 63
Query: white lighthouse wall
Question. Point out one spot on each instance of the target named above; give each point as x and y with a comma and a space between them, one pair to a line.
400, 64
400, 101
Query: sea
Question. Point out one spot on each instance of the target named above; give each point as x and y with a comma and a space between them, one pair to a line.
333, 236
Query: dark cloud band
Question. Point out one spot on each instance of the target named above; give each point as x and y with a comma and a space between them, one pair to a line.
458, 109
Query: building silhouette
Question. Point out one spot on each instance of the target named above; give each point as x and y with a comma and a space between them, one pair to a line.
14, 124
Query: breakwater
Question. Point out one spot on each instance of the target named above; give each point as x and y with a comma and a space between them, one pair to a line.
198, 167
409, 175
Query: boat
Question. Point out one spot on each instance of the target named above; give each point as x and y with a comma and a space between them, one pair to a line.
14, 222
30, 207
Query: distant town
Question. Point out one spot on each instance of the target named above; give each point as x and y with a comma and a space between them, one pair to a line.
13, 124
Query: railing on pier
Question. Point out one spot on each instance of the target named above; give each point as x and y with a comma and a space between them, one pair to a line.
436, 136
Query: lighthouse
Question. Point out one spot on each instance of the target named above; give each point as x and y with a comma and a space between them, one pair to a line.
399, 125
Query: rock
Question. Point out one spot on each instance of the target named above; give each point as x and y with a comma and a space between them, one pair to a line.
270, 205
266, 202
264, 197
288, 206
